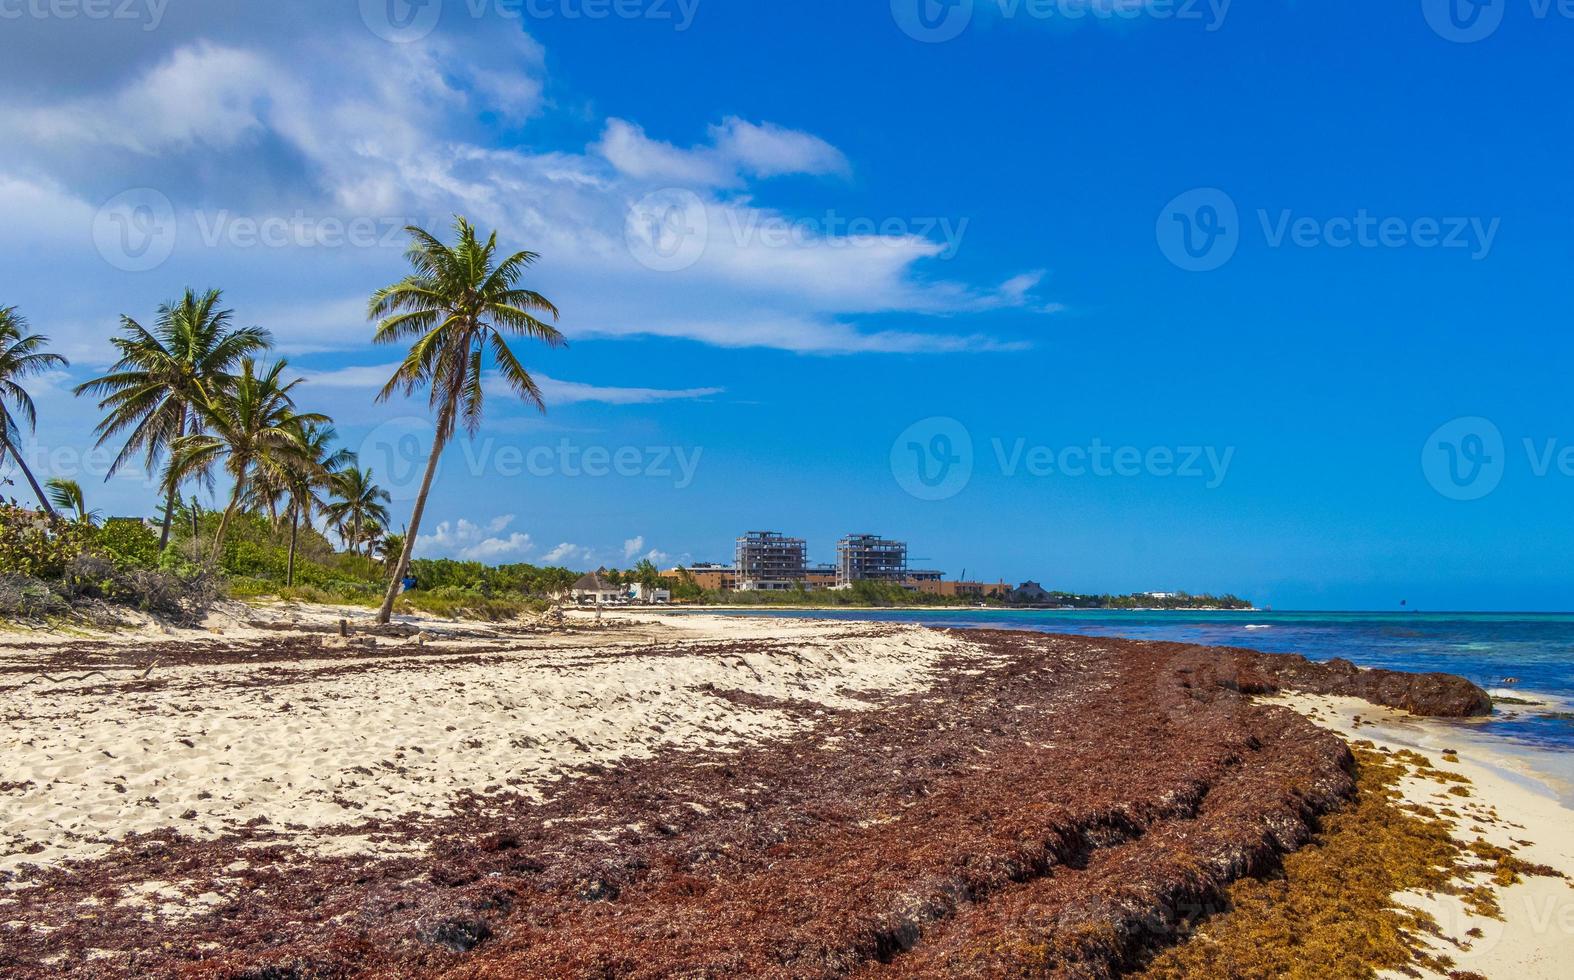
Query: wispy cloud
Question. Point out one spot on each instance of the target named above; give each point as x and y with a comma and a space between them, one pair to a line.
372, 377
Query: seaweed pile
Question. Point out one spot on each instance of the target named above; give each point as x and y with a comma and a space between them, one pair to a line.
1050, 806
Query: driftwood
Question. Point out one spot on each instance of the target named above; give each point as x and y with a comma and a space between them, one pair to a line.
94, 673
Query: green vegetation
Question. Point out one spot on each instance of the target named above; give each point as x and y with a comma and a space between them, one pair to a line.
190, 400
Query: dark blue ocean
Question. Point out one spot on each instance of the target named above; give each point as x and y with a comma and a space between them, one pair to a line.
1536, 649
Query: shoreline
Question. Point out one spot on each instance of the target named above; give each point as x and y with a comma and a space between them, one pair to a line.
1519, 808
283, 777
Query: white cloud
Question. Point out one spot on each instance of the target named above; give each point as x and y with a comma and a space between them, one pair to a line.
372, 377
738, 149
632, 547
768, 150
263, 124
565, 553
472, 542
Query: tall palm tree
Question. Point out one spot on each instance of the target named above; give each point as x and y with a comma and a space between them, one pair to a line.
22, 355
253, 429
455, 311
67, 495
163, 375
357, 507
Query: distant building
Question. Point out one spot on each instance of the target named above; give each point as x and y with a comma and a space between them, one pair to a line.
870, 558
962, 590
768, 561
595, 589
1029, 593
819, 577
710, 577
649, 596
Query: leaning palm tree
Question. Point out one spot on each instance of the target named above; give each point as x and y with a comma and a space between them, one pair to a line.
252, 429
357, 507
67, 495
22, 355
163, 375
455, 311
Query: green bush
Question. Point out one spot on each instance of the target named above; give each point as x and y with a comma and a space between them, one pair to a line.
33, 546
128, 542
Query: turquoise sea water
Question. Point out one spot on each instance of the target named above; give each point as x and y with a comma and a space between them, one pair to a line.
1537, 649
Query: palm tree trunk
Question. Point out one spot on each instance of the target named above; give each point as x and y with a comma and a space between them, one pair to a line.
295, 524
38, 491
224, 521
403, 564
169, 498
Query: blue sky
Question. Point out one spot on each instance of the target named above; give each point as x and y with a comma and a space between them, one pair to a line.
794, 244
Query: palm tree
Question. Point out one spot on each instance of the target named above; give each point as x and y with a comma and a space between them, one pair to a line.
67, 495
163, 375
319, 466
253, 428
357, 508
454, 311
22, 355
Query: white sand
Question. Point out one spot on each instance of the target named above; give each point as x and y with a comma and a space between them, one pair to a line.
1510, 803
321, 747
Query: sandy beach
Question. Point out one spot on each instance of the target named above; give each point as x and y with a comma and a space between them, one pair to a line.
660, 794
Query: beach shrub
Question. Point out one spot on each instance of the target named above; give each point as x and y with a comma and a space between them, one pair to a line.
34, 546
128, 542
186, 598
25, 597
